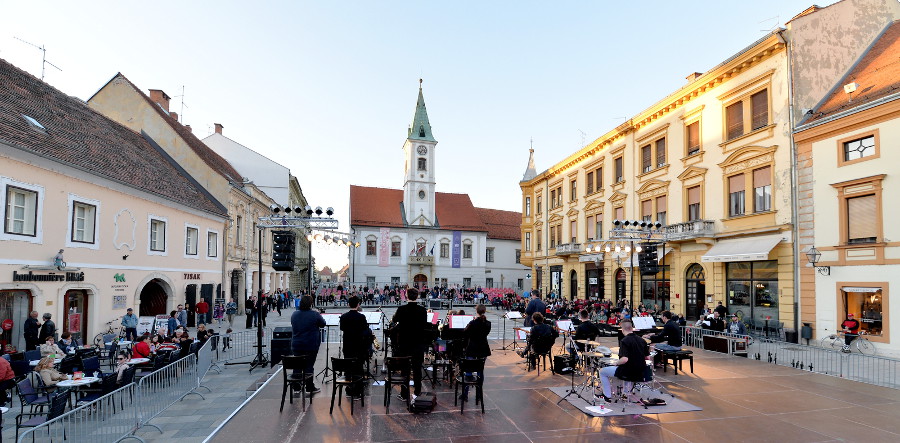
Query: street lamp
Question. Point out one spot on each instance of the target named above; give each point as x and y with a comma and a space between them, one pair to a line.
813, 255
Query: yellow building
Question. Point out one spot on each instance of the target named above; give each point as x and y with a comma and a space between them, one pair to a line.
712, 163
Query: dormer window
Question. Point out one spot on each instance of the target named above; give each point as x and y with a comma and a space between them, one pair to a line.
422, 164
34, 124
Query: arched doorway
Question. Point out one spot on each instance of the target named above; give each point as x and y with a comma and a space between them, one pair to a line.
573, 285
694, 291
620, 284
420, 280
153, 299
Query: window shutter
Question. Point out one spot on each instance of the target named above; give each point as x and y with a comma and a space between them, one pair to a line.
735, 183
734, 120
590, 183
694, 195
620, 213
591, 228
573, 230
647, 208
660, 152
762, 177
861, 218
661, 204
693, 131
645, 158
760, 105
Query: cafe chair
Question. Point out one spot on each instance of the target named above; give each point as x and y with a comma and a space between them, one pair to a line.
398, 373
108, 384
295, 381
57, 407
32, 355
31, 397
69, 363
469, 369
91, 365
346, 374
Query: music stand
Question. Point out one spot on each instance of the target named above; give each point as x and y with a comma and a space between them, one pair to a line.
331, 320
514, 316
375, 320
573, 389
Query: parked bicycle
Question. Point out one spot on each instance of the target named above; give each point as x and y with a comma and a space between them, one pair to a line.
113, 327
836, 342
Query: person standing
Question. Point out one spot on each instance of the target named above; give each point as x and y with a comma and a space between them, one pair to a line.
48, 329
850, 326
535, 305
250, 310
230, 311
305, 326
181, 316
357, 339
129, 323
31, 329
262, 309
172, 323
411, 327
476, 334
202, 311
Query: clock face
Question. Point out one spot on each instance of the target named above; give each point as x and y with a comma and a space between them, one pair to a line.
422, 194
422, 150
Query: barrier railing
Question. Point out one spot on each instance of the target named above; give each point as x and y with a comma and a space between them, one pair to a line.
164, 387
111, 418
204, 362
870, 369
239, 344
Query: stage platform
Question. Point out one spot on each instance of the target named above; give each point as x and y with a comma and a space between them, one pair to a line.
741, 400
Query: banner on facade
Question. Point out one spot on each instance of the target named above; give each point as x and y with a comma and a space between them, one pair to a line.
74, 323
457, 244
384, 248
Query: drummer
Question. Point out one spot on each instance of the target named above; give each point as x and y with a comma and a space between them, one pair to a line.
586, 330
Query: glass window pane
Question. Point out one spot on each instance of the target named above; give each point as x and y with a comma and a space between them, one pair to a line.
765, 270
737, 271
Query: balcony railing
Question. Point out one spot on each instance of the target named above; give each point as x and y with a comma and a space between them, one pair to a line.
691, 229
421, 260
568, 248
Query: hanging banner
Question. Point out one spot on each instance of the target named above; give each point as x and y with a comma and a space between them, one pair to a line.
457, 243
384, 248
74, 323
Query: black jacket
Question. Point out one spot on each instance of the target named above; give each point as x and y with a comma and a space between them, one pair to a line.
410, 330
476, 338
357, 335
31, 328
670, 334
305, 325
48, 329
636, 349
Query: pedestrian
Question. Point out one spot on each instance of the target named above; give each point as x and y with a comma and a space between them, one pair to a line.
181, 316
31, 329
202, 309
172, 323
262, 308
48, 329
219, 313
230, 311
250, 310
129, 323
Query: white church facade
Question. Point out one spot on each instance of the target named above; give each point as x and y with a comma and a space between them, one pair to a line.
417, 236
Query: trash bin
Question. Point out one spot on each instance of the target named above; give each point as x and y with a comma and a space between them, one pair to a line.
790, 336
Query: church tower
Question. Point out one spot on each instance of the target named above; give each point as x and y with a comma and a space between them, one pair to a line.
418, 182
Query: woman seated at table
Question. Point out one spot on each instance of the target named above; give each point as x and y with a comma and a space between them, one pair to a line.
142, 348
49, 348
48, 373
67, 343
121, 366
202, 333
182, 340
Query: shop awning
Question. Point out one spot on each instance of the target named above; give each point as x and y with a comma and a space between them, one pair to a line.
744, 249
859, 289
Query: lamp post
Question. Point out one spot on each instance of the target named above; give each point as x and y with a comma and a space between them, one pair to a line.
813, 255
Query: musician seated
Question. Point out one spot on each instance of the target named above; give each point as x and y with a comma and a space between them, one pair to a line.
586, 330
671, 335
541, 338
631, 364
357, 339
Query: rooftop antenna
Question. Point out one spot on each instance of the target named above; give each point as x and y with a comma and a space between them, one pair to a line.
774, 21
44, 61
183, 105
583, 137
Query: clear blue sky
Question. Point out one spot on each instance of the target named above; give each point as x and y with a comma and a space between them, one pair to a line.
328, 88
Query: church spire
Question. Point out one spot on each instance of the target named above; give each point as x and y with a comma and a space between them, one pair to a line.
530, 172
421, 128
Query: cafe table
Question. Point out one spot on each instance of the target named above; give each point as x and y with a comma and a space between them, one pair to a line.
35, 362
137, 361
75, 385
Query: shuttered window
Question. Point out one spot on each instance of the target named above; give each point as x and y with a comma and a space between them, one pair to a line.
762, 189
760, 106
573, 230
599, 176
694, 203
589, 178
734, 120
591, 228
646, 210
646, 159
736, 195
661, 209
620, 213
660, 153
620, 170
861, 219
693, 138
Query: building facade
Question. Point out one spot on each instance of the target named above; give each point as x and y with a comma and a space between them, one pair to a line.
134, 230
418, 236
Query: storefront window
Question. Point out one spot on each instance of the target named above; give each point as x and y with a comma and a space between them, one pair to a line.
655, 289
866, 305
752, 289
14, 305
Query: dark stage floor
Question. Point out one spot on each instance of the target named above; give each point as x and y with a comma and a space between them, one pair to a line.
742, 400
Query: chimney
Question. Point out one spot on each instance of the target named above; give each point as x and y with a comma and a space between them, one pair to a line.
160, 97
174, 115
693, 76
188, 127
218, 128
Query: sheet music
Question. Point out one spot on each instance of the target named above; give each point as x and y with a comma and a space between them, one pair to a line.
460, 321
565, 325
373, 318
431, 317
522, 333
513, 314
332, 319
643, 322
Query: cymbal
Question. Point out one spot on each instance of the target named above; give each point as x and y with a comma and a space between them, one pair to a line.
592, 343
593, 354
584, 342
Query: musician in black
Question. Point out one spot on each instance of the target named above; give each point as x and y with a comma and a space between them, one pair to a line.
586, 330
410, 328
631, 364
476, 334
539, 333
357, 339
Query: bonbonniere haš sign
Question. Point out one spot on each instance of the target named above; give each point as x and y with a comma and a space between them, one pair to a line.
31, 276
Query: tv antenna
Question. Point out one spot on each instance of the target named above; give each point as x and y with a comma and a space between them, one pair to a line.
583, 136
44, 61
181, 112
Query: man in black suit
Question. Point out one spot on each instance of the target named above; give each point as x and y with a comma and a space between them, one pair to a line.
535, 305
411, 327
357, 339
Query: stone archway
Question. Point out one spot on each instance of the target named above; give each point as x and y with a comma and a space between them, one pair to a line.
420, 281
161, 293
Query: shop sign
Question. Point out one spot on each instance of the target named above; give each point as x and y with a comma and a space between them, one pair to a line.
31, 276
188, 276
120, 301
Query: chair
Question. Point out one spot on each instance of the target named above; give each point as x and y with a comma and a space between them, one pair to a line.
346, 373
295, 382
91, 365
128, 376
677, 358
21, 368
29, 396
541, 349
108, 385
441, 360
57, 407
32, 355
69, 363
399, 373
473, 367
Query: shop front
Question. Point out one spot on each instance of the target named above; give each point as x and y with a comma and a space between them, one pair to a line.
15, 304
868, 302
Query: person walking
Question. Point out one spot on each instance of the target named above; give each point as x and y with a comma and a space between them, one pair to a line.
230, 311
129, 323
305, 326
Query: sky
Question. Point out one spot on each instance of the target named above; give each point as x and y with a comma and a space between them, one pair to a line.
328, 88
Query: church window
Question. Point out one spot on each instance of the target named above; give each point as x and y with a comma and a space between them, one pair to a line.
422, 164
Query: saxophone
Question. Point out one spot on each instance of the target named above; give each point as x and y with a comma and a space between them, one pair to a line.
376, 344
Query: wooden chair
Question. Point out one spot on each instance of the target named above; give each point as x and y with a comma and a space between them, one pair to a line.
346, 374
295, 382
399, 372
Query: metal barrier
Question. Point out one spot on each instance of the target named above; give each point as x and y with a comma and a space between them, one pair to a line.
111, 418
164, 387
239, 344
204, 362
870, 369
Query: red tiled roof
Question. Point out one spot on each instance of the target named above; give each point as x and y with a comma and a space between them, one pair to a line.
877, 73
382, 207
85, 139
210, 157
502, 225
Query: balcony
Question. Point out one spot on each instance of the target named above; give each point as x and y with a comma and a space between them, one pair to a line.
691, 229
568, 248
424, 260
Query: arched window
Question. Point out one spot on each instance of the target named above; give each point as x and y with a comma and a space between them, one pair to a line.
422, 164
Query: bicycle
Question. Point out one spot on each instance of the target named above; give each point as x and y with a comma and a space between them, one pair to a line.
836, 342
110, 330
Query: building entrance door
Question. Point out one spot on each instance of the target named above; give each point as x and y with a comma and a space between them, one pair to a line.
420, 281
75, 319
153, 299
694, 291
573, 285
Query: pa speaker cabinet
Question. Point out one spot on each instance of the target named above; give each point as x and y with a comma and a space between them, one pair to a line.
279, 348
282, 332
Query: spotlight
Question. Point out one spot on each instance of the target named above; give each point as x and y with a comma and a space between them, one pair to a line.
607, 249
627, 248
643, 224
318, 210
356, 245
287, 210
597, 248
616, 222
587, 248
329, 211
328, 239
310, 237
658, 225
318, 237
638, 248
618, 249
626, 223
309, 210
298, 210
275, 209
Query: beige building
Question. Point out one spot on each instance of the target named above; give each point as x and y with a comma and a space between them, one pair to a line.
135, 229
847, 172
122, 101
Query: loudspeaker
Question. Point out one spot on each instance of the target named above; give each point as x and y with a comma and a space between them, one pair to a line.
282, 332
434, 304
563, 364
279, 348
